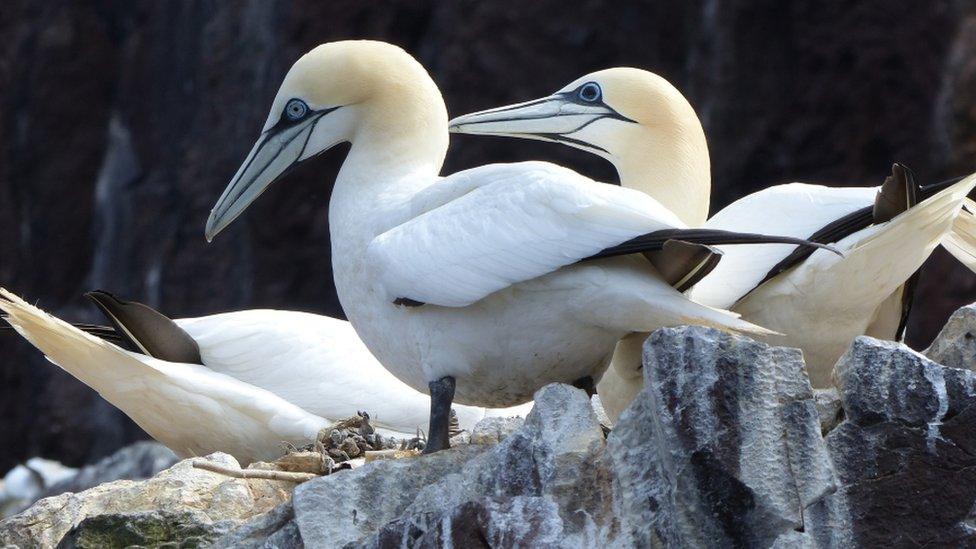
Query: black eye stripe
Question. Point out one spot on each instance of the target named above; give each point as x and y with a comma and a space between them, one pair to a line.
285, 121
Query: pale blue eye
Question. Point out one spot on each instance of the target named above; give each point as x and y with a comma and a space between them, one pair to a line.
590, 92
296, 109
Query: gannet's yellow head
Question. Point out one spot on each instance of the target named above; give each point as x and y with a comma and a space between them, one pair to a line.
331, 95
604, 112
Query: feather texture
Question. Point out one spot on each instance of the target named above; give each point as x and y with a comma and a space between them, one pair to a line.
189, 408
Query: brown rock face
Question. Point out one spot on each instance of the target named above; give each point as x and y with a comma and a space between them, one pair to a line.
122, 121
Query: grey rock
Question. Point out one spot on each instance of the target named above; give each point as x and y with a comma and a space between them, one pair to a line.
601, 413
520, 521
275, 529
342, 508
552, 455
829, 408
137, 461
463, 437
722, 447
955, 346
794, 540
493, 430
538, 484
287, 537
174, 499
887, 381
906, 454
26, 483
145, 529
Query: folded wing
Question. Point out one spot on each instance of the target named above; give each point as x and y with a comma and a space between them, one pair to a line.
796, 209
315, 362
528, 220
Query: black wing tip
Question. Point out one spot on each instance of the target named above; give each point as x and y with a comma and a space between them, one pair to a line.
99, 296
901, 170
898, 193
821, 246
907, 301
797, 241
759, 238
407, 302
713, 237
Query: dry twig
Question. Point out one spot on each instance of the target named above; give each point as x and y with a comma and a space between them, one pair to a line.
253, 473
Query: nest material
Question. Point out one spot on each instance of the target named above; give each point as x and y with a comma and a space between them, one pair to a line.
336, 447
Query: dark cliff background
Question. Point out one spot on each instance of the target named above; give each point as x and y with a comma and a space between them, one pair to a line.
121, 122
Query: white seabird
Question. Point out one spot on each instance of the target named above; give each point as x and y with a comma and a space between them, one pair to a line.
240, 382
483, 285
644, 126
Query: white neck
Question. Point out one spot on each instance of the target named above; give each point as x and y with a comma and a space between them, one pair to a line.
672, 166
391, 159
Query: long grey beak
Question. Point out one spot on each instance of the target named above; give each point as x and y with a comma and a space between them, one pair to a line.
553, 118
275, 152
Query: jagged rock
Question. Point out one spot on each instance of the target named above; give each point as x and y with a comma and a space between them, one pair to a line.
137, 461
829, 408
145, 529
601, 413
493, 430
334, 510
275, 529
39, 478
794, 540
546, 469
520, 521
463, 437
28, 481
722, 447
955, 346
886, 381
166, 502
906, 454
536, 482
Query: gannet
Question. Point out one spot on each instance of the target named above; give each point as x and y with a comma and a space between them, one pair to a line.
240, 382
481, 286
647, 129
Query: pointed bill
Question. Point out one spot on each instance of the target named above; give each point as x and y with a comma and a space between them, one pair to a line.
272, 156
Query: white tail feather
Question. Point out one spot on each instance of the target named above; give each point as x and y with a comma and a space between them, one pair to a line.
894, 250
961, 241
187, 407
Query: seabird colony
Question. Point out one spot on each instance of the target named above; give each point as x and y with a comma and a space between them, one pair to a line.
482, 286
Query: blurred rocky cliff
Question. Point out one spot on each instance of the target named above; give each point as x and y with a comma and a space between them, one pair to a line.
121, 122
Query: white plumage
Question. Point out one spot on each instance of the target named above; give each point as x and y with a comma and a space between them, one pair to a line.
270, 377
508, 308
649, 131
491, 252
826, 301
521, 222
189, 408
961, 242
319, 364
794, 209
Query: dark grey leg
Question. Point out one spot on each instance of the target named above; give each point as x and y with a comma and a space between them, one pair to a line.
586, 383
441, 398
